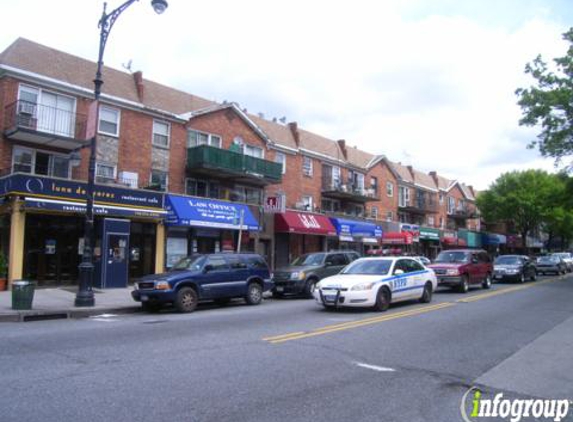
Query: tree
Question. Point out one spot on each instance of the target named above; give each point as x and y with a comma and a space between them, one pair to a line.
525, 198
549, 104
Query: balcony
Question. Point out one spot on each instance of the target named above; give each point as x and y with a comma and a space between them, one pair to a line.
224, 164
462, 213
419, 204
44, 126
347, 192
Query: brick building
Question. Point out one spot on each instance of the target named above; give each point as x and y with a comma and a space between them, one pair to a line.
164, 156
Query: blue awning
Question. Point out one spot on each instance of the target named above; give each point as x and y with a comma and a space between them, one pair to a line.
199, 212
354, 228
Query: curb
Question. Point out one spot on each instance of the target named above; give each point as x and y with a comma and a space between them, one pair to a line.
43, 315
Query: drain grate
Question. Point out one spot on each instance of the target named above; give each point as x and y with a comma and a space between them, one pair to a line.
45, 317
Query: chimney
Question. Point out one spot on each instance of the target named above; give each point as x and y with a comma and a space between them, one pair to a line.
411, 170
435, 177
295, 133
138, 78
342, 145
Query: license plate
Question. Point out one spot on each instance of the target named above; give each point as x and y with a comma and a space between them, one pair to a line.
497, 276
330, 298
280, 289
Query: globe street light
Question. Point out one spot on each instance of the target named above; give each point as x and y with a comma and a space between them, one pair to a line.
85, 295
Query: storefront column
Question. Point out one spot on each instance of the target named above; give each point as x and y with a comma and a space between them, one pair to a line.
16, 252
160, 249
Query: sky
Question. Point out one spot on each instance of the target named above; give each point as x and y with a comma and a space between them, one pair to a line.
428, 83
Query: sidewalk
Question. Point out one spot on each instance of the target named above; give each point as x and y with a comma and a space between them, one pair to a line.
58, 303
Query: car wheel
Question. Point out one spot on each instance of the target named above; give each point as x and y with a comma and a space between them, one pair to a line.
151, 307
309, 288
486, 284
254, 294
464, 287
522, 278
186, 300
382, 300
427, 294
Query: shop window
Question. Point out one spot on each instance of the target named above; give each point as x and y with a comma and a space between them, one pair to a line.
160, 134
108, 121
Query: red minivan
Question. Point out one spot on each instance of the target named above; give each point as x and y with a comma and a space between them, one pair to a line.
463, 268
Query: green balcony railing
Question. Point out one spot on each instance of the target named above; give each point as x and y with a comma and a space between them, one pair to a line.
208, 157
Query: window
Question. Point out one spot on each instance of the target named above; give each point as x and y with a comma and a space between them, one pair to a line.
216, 263
356, 180
236, 263
203, 188
403, 196
158, 180
307, 202
105, 172
330, 205
374, 212
281, 159
195, 139
336, 260
389, 215
431, 221
253, 151
441, 196
247, 194
25, 160
307, 166
451, 205
160, 134
390, 189
46, 111
374, 184
108, 121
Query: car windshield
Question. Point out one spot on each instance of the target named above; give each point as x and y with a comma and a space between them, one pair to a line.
445, 257
193, 263
369, 266
309, 259
564, 255
547, 259
507, 260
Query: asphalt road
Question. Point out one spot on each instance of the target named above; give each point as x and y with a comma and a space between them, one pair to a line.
290, 360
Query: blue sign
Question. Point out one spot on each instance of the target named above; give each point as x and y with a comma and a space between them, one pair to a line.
493, 239
354, 228
199, 212
78, 207
45, 187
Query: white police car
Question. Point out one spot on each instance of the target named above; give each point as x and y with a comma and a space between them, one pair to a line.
377, 282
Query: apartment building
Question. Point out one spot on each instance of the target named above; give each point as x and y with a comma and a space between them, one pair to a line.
178, 174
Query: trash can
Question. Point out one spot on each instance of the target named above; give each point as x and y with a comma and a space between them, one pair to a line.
22, 294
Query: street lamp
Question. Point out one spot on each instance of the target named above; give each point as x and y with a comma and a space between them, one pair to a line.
85, 294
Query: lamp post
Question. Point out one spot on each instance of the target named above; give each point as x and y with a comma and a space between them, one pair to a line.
85, 295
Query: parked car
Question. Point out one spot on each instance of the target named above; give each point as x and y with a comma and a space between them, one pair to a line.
567, 257
551, 264
376, 283
463, 268
218, 277
515, 268
425, 261
301, 276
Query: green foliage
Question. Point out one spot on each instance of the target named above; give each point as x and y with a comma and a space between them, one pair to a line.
3, 266
549, 104
526, 198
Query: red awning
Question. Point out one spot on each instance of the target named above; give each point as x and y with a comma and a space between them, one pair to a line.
454, 242
397, 238
304, 223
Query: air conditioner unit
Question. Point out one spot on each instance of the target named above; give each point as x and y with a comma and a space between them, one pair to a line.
25, 107
300, 206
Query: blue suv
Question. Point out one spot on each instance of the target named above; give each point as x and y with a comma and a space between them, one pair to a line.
218, 277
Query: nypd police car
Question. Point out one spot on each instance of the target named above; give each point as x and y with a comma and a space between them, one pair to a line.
377, 282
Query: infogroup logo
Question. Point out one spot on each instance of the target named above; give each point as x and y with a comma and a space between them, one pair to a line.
514, 410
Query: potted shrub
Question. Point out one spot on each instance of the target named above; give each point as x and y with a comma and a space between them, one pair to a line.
3, 272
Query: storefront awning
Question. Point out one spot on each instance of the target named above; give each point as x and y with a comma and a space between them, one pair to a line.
452, 241
356, 229
304, 223
428, 233
199, 212
99, 209
397, 238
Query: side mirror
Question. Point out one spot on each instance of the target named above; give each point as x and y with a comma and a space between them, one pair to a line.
207, 268
398, 271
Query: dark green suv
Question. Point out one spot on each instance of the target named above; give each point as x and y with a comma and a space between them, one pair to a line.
300, 277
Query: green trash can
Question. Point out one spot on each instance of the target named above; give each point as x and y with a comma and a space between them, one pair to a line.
22, 294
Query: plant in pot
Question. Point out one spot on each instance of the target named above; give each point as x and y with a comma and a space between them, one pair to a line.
3, 272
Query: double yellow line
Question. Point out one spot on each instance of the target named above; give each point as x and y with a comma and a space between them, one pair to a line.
388, 317
353, 324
